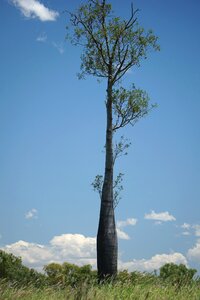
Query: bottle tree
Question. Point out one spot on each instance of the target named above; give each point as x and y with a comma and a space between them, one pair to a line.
111, 46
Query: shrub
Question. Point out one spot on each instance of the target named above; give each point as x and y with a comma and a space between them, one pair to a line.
12, 269
177, 274
54, 273
69, 274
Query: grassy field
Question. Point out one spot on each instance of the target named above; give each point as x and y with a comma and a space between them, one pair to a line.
106, 291
69, 281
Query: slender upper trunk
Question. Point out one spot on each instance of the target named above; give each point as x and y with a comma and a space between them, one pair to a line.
107, 236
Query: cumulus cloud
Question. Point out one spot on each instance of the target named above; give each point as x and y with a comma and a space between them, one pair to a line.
121, 224
196, 227
42, 37
73, 248
122, 235
31, 253
129, 221
191, 229
194, 253
74, 245
35, 9
159, 217
81, 250
153, 263
186, 229
31, 214
186, 226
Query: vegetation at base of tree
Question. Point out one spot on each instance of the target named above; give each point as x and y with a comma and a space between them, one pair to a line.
69, 274
69, 281
119, 291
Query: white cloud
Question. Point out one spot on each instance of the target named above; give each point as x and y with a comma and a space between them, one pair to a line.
194, 253
73, 248
122, 235
129, 221
74, 245
185, 233
196, 227
35, 9
121, 224
31, 214
80, 250
153, 263
42, 37
59, 47
191, 229
160, 217
186, 226
33, 255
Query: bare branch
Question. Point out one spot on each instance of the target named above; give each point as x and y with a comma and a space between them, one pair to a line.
105, 31
131, 21
121, 65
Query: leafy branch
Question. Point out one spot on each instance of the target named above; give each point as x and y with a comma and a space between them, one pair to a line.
97, 185
129, 106
121, 148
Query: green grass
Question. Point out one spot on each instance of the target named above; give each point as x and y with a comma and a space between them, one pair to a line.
107, 291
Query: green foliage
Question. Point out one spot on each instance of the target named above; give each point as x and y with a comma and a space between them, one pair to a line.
69, 274
54, 273
177, 274
111, 47
9, 265
109, 39
151, 290
170, 274
68, 281
12, 269
129, 106
97, 185
117, 188
120, 149
75, 275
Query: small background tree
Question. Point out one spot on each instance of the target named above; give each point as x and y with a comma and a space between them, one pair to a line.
178, 275
12, 270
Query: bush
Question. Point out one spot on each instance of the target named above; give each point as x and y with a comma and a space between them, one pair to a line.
69, 274
178, 275
54, 273
12, 269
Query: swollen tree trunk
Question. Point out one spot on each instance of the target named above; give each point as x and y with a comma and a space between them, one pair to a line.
107, 236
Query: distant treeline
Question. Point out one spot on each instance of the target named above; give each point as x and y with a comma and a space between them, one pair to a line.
14, 272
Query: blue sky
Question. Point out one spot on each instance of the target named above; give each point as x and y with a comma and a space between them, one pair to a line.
52, 132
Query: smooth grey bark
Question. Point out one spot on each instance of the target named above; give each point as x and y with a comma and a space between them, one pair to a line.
107, 247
